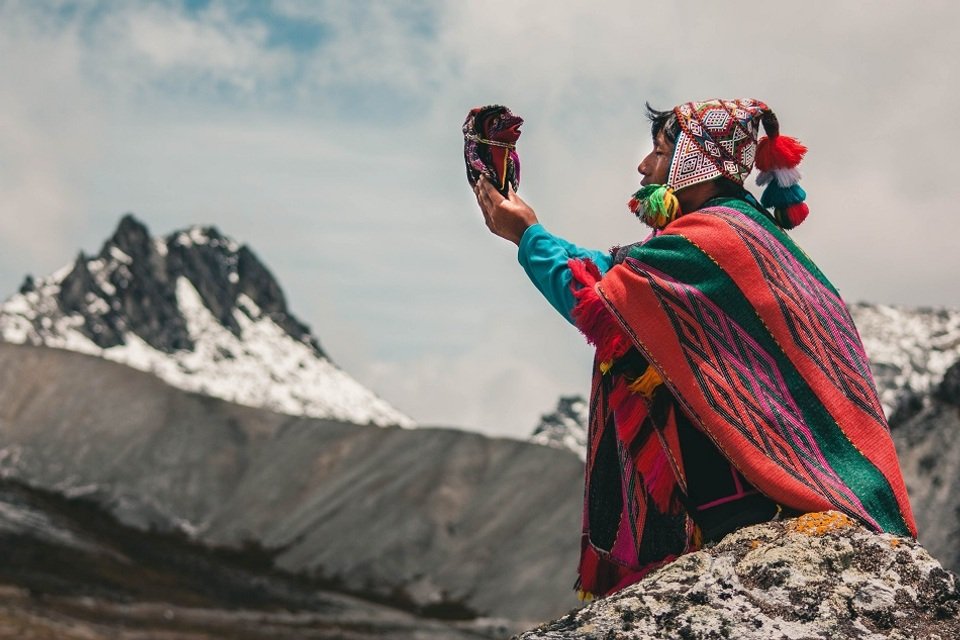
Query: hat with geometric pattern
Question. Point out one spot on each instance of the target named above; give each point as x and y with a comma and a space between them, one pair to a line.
718, 138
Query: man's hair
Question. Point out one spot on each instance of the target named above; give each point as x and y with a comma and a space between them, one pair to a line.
665, 121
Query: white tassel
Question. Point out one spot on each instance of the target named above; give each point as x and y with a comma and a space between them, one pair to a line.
785, 177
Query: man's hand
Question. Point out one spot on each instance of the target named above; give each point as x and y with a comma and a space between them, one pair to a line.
506, 217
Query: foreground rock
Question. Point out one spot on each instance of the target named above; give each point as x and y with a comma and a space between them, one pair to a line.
818, 576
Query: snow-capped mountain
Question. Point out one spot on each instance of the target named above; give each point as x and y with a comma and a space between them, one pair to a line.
565, 427
199, 311
910, 350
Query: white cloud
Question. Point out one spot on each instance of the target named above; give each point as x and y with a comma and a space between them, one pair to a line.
377, 45
170, 41
160, 47
48, 137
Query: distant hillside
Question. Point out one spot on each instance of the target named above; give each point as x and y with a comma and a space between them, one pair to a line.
444, 516
910, 350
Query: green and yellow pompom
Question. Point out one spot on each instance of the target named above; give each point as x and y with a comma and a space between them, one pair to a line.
655, 205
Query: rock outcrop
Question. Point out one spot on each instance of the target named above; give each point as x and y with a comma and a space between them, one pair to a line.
929, 448
817, 576
910, 350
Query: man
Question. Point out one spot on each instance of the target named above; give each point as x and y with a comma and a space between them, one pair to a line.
730, 385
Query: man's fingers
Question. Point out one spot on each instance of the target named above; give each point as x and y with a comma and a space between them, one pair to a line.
482, 196
513, 197
484, 202
486, 187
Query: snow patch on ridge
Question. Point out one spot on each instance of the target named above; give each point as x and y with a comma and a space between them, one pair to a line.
910, 350
263, 367
257, 362
565, 427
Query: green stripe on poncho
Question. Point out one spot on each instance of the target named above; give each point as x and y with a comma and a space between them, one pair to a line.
758, 350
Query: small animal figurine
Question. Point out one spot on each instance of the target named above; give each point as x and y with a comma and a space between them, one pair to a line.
490, 146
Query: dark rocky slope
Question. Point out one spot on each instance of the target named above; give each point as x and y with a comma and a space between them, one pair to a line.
444, 518
929, 448
70, 570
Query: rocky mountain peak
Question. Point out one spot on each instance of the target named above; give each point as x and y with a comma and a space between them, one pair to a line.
910, 350
565, 427
131, 237
130, 287
188, 306
228, 277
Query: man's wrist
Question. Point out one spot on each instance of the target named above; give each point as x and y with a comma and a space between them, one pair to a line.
527, 237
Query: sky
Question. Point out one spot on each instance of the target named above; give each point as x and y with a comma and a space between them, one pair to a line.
326, 136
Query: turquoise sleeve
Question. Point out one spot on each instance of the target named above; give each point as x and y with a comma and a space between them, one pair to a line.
544, 257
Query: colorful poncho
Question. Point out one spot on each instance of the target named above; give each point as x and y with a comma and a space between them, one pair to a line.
722, 325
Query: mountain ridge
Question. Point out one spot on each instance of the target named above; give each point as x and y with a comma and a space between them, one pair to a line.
565, 427
198, 310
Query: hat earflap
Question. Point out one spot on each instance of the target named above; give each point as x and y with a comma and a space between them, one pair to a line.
655, 205
777, 159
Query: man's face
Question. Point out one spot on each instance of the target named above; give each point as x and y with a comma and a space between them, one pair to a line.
655, 167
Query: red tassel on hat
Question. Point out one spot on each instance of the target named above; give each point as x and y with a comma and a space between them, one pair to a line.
777, 158
779, 152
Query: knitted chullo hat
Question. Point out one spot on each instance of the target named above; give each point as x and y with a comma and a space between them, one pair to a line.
718, 138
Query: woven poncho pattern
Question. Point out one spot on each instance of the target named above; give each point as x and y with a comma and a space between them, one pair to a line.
754, 347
